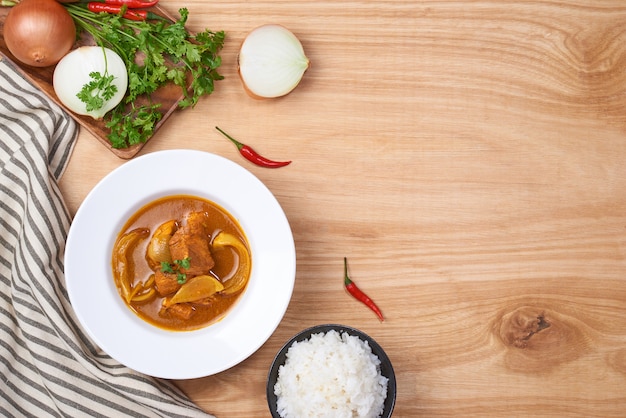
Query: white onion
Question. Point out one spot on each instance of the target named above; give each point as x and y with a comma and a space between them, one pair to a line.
72, 73
271, 61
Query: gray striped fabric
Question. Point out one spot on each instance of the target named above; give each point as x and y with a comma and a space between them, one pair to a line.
48, 366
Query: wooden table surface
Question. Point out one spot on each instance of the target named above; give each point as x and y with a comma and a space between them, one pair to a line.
468, 159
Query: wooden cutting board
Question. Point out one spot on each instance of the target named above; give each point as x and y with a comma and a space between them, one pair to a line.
168, 96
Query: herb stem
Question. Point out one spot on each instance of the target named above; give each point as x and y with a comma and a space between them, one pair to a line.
169, 55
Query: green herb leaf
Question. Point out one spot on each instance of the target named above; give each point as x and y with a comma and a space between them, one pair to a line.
166, 267
132, 126
169, 55
95, 93
184, 263
174, 268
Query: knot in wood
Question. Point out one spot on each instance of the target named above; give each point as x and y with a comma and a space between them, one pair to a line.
522, 325
538, 339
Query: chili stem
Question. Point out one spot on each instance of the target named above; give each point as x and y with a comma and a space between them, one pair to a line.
358, 294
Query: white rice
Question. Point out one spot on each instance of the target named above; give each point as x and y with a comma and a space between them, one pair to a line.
330, 375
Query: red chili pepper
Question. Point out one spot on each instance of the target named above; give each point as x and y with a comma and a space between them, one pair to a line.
131, 4
252, 156
137, 15
358, 293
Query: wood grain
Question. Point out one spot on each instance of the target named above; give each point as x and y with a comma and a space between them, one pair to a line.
468, 159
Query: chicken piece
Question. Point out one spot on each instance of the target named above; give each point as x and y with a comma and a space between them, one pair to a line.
166, 283
180, 310
191, 242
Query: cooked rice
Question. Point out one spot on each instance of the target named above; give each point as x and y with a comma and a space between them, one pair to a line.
330, 375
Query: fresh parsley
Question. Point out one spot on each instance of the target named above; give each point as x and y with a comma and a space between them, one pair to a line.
174, 268
166, 267
100, 89
156, 53
185, 263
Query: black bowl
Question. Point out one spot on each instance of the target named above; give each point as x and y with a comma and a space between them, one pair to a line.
386, 368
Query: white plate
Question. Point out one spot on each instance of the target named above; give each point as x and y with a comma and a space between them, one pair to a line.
144, 347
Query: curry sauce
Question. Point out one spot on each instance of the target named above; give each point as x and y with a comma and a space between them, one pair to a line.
181, 262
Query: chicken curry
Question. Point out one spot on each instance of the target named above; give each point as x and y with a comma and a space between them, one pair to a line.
181, 262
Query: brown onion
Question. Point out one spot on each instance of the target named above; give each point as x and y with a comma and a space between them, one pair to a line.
39, 32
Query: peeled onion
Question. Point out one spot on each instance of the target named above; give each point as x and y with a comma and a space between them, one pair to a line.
72, 73
271, 62
39, 32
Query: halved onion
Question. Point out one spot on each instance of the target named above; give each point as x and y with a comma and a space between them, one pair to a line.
73, 72
271, 62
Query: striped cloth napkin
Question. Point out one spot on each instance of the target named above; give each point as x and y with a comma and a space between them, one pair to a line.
48, 365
